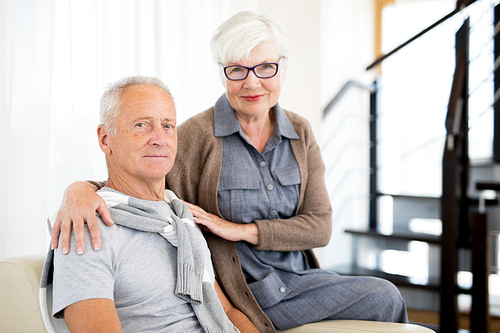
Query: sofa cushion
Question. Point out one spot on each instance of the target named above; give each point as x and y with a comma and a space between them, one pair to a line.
350, 326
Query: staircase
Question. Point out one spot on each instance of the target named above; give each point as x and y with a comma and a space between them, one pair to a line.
463, 243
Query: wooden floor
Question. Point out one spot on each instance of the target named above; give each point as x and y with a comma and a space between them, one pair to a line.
432, 318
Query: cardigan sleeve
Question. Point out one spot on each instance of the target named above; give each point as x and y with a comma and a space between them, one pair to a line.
312, 225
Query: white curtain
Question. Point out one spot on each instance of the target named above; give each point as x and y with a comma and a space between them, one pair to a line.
57, 56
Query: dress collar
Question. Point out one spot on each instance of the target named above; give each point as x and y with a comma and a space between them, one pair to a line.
226, 122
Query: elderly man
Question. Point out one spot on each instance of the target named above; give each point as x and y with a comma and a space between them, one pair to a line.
153, 272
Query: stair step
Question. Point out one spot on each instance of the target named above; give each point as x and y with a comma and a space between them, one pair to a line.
409, 236
432, 284
409, 196
398, 280
488, 202
488, 186
473, 201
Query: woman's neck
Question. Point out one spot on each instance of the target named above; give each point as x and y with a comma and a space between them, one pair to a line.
258, 130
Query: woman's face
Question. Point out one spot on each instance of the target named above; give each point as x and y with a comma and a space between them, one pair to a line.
252, 96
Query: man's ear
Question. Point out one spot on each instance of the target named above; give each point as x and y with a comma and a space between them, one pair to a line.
103, 137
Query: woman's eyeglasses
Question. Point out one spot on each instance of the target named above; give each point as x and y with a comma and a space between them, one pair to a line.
263, 71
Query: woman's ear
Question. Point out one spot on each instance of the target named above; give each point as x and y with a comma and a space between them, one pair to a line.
283, 68
223, 78
103, 137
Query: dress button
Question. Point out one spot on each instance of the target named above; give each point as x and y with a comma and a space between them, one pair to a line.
262, 164
274, 213
282, 290
270, 187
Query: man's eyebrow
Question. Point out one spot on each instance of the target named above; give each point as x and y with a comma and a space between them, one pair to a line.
153, 118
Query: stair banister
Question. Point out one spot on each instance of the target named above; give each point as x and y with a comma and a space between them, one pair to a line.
343, 90
461, 4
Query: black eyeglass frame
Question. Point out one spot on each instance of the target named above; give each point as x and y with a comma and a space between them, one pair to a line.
253, 70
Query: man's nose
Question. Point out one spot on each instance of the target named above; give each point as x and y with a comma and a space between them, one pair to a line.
158, 136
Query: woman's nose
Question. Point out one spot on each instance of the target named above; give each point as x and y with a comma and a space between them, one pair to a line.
251, 81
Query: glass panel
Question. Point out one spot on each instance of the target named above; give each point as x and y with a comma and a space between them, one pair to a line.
414, 93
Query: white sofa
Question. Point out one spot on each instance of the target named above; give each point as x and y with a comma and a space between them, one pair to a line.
20, 311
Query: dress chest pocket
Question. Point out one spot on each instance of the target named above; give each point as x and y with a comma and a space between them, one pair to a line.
233, 178
237, 194
288, 176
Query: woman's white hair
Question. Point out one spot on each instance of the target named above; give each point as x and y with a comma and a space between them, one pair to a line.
236, 37
110, 101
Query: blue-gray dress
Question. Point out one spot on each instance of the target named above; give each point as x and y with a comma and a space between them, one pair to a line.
256, 186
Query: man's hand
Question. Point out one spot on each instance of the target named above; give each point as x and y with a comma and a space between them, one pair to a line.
80, 202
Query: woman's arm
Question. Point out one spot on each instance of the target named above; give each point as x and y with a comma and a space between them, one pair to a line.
92, 316
231, 231
79, 205
311, 226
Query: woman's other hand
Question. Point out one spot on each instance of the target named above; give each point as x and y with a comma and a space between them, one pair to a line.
231, 231
80, 202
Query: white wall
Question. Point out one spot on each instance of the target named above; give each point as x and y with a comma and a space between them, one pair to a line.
347, 44
301, 21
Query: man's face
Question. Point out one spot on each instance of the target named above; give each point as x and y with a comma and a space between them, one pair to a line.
145, 143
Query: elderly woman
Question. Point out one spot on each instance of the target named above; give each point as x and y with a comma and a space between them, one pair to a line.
252, 175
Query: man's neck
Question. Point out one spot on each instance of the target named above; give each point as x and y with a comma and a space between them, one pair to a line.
151, 190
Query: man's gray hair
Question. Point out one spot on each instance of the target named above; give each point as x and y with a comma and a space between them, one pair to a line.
236, 37
110, 100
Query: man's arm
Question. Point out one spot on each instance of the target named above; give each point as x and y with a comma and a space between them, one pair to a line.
237, 317
93, 316
79, 205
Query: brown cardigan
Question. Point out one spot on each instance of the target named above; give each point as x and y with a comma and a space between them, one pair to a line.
195, 178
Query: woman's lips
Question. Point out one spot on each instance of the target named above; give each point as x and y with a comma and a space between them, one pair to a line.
252, 98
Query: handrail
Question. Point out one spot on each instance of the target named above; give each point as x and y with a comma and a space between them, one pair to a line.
461, 4
370, 87
454, 120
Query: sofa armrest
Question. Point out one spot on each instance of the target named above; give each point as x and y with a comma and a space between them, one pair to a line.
19, 290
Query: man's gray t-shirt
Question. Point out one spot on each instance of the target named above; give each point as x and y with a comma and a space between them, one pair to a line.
137, 270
